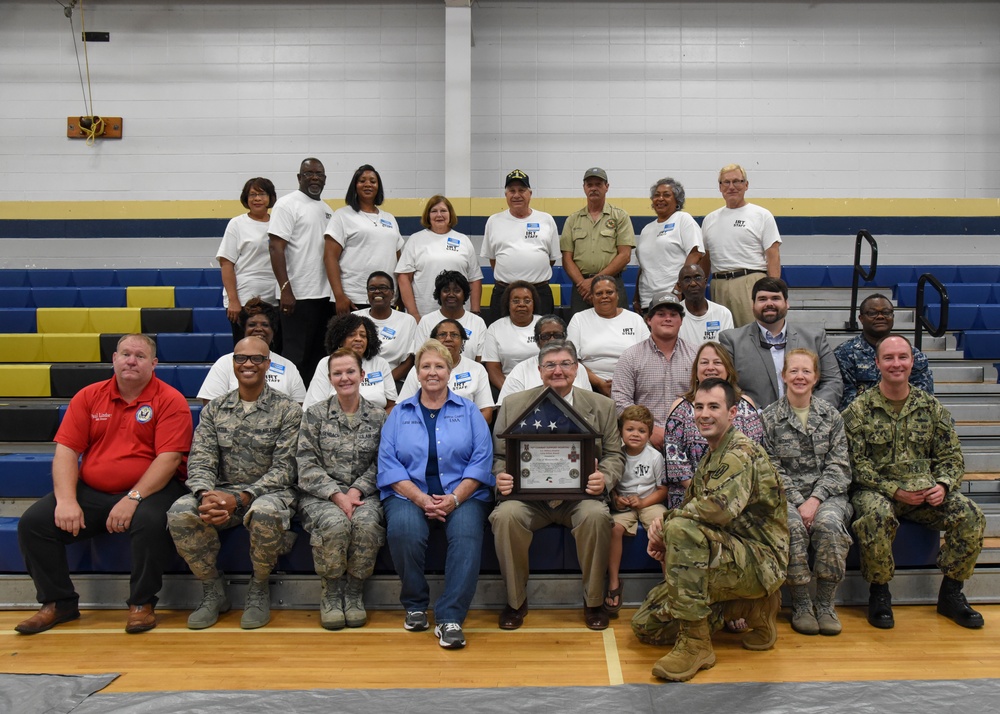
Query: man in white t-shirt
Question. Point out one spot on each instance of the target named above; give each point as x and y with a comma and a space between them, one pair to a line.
743, 245
521, 244
298, 221
704, 319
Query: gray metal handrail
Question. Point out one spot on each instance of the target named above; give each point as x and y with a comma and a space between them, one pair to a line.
921, 319
852, 323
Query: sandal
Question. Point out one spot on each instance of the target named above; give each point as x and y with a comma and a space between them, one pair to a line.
615, 595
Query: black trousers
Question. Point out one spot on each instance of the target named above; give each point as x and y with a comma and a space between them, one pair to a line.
43, 543
302, 334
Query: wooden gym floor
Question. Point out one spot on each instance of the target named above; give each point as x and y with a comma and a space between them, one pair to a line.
552, 649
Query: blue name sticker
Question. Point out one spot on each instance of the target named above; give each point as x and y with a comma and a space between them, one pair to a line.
463, 378
667, 227
454, 241
387, 333
713, 325
534, 226
276, 368
374, 377
468, 333
385, 223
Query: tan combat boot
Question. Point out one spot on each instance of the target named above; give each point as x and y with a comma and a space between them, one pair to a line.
763, 618
692, 652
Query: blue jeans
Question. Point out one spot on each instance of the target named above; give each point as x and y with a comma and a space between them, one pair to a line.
407, 529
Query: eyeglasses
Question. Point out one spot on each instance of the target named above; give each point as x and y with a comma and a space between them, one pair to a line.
889, 312
692, 279
379, 289
521, 301
546, 336
551, 366
253, 194
450, 335
732, 182
256, 359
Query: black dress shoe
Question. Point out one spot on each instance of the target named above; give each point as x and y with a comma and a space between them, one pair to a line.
880, 607
595, 617
953, 605
511, 618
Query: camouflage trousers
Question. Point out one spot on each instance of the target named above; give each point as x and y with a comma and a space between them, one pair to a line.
829, 538
705, 567
341, 544
877, 518
268, 521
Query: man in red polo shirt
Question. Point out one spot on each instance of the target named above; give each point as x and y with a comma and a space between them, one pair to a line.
133, 432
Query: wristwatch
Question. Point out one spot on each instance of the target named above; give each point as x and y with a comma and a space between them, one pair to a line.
135, 496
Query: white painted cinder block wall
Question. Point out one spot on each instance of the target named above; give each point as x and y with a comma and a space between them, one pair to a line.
875, 99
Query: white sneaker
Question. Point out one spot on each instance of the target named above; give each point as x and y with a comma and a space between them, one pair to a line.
450, 635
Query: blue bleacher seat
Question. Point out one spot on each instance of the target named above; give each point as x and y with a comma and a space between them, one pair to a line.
16, 298
211, 277
189, 378
979, 293
978, 274
180, 277
889, 275
944, 273
94, 278
805, 276
197, 297
18, 320
125, 277
222, 344
989, 318
196, 414
13, 278
181, 347
487, 275
630, 274
210, 319
55, 297
103, 297
51, 278
960, 317
915, 546
980, 344
25, 475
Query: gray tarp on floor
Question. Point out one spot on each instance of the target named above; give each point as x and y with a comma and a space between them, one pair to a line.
48, 693
897, 697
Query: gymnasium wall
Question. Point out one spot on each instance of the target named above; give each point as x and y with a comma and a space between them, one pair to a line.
878, 115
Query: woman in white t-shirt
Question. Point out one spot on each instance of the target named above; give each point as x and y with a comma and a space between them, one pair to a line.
360, 239
602, 333
511, 339
430, 251
359, 334
451, 290
667, 244
396, 330
243, 254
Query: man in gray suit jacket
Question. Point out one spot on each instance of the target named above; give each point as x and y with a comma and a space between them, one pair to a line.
758, 349
514, 521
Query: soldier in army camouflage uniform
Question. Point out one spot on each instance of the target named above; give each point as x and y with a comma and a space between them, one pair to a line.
339, 506
908, 464
727, 541
241, 470
856, 357
804, 436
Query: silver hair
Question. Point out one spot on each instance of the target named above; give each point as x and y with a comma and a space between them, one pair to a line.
558, 346
545, 320
676, 186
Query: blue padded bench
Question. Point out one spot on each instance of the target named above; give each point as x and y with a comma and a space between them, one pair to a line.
960, 317
50, 278
95, 278
128, 277
989, 317
181, 277
103, 296
210, 319
13, 278
18, 320
980, 344
977, 293
25, 475
197, 297
915, 547
187, 347
185, 378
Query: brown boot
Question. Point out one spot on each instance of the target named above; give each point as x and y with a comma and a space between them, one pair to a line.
46, 618
763, 618
140, 619
692, 652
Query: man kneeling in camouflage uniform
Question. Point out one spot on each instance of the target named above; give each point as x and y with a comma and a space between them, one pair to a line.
728, 541
908, 463
240, 471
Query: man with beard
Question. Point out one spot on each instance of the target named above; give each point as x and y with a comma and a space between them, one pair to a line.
704, 319
298, 221
856, 357
758, 349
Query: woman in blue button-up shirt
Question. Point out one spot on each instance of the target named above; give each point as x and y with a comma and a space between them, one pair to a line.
434, 469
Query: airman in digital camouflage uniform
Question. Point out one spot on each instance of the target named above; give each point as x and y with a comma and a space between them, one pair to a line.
728, 541
908, 464
240, 471
856, 357
804, 436
339, 499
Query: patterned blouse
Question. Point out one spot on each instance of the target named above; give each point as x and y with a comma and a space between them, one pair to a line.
683, 444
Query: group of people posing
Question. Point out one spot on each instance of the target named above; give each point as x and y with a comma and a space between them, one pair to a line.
745, 446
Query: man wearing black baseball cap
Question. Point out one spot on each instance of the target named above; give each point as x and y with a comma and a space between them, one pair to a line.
521, 244
598, 239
